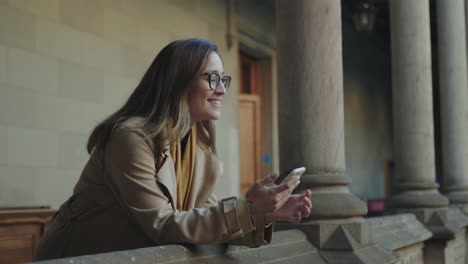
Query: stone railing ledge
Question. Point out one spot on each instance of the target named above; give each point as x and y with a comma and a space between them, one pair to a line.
289, 246
398, 231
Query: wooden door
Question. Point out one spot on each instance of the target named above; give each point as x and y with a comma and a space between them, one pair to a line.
249, 123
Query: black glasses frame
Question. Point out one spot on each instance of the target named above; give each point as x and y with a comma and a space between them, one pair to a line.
215, 79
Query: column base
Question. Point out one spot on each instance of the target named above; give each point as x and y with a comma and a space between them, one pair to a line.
336, 205
338, 240
331, 198
414, 199
458, 197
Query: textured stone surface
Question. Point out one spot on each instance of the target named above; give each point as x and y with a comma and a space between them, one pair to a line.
446, 252
412, 254
32, 71
17, 28
3, 63
350, 240
287, 247
412, 107
398, 231
310, 86
455, 250
453, 99
414, 128
403, 234
412, 91
65, 65
11, 112
444, 223
447, 225
310, 93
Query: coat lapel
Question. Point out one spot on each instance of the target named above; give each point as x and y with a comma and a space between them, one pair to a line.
167, 177
206, 172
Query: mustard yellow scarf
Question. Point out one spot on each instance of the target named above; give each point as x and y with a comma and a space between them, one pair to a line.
184, 164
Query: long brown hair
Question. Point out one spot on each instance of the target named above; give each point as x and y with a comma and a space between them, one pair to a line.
160, 98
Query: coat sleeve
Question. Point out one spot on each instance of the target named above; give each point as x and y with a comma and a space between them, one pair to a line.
261, 235
130, 166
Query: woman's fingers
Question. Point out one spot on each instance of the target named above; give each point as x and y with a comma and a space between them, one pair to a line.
282, 193
306, 200
305, 210
268, 179
265, 197
287, 186
297, 217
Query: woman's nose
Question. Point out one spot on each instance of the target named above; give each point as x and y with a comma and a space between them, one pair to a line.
220, 89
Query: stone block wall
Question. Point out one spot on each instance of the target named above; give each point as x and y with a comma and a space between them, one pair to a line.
66, 64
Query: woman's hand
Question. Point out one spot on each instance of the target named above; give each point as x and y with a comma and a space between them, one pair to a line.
265, 197
296, 207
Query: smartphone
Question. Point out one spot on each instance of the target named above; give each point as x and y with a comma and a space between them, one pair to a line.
296, 172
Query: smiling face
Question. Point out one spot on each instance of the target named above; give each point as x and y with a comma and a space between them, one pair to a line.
204, 103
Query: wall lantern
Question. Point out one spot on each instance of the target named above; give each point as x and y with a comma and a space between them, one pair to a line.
364, 16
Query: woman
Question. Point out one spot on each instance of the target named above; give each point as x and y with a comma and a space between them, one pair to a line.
153, 166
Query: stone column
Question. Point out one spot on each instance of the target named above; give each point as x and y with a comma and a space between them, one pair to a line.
310, 92
451, 35
412, 107
453, 100
414, 132
466, 23
311, 128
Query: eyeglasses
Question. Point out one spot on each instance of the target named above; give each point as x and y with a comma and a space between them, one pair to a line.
214, 79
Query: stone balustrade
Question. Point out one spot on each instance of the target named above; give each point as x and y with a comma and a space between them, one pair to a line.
402, 234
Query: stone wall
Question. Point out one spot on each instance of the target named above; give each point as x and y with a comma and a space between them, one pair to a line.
66, 64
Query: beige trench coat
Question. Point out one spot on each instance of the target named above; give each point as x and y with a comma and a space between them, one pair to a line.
122, 202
